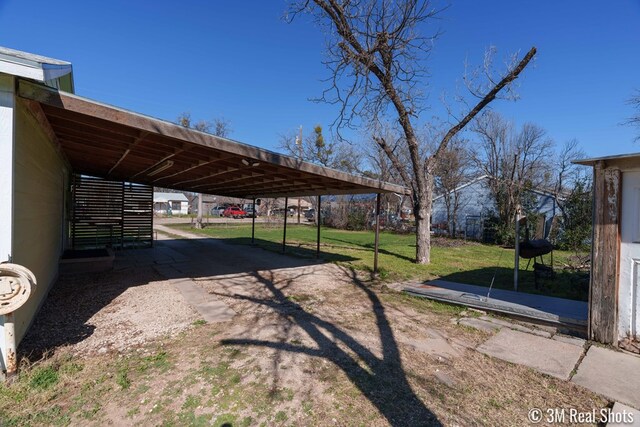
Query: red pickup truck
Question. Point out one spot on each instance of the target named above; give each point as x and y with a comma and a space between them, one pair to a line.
234, 212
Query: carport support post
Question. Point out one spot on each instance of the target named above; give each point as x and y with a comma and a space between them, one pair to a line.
253, 221
516, 268
286, 214
318, 226
377, 239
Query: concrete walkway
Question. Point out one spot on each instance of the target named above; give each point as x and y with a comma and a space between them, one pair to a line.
195, 256
545, 355
613, 374
538, 307
610, 373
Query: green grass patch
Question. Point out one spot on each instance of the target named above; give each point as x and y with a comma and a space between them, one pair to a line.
44, 378
122, 379
158, 361
281, 417
456, 261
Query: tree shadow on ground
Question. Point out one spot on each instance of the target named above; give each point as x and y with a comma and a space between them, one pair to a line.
371, 246
303, 250
382, 381
65, 316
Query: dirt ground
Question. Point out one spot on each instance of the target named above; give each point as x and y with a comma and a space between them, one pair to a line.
310, 345
97, 313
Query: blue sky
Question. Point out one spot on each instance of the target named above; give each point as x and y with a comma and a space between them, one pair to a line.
240, 60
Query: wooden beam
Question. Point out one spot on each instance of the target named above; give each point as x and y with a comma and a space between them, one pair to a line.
125, 121
272, 183
190, 168
250, 175
243, 176
143, 134
603, 294
158, 163
300, 192
222, 172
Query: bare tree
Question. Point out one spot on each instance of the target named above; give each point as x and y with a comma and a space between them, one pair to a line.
315, 148
514, 161
568, 178
634, 120
221, 128
377, 55
454, 168
184, 119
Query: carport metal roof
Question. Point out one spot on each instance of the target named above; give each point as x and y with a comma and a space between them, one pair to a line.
117, 144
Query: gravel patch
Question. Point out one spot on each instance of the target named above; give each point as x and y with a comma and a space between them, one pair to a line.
113, 311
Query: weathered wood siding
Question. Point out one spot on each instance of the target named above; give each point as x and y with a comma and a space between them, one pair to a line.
603, 296
38, 212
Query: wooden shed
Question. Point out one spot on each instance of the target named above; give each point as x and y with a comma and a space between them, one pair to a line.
614, 297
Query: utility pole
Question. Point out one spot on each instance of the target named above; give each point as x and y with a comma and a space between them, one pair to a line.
299, 144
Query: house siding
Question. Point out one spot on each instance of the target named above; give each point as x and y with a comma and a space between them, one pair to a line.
476, 200
40, 180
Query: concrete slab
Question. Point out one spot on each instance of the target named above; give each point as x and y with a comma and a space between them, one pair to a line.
550, 357
537, 307
215, 311
435, 344
479, 324
623, 415
515, 326
570, 340
612, 374
210, 308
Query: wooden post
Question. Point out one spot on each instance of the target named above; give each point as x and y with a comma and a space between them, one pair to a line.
253, 222
122, 218
199, 217
318, 226
377, 237
516, 269
286, 214
603, 292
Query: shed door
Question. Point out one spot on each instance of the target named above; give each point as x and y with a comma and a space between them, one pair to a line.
629, 291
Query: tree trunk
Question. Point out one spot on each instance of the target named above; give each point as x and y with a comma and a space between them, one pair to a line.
422, 210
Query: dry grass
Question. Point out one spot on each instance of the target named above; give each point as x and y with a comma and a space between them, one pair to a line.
317, 345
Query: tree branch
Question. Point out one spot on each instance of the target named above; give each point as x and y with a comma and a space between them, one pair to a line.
510, 77
394, 160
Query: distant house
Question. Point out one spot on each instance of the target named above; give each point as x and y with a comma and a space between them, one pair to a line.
477, 204
170, 203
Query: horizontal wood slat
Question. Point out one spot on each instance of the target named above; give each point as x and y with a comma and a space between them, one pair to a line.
110, 213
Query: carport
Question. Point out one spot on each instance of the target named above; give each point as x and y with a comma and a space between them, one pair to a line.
108, 142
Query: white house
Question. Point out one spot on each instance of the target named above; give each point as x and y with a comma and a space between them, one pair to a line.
170, 203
